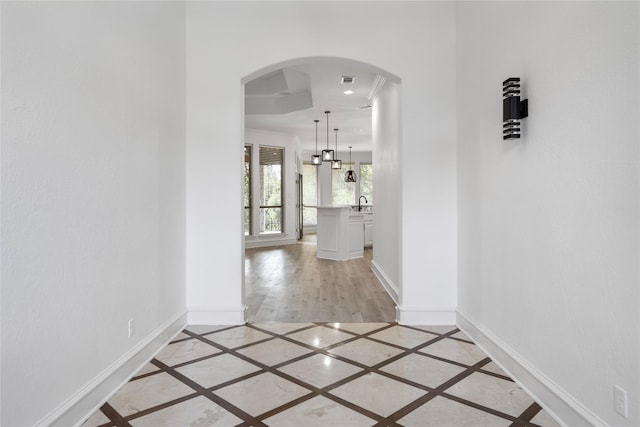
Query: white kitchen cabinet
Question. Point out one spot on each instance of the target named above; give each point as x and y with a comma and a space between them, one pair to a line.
368, 230
339, 233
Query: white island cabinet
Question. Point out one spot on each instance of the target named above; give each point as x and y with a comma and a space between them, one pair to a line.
368, 229
340, 233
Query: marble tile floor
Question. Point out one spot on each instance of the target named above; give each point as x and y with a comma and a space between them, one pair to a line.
321, 374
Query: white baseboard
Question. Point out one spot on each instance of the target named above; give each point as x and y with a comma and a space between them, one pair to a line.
553, 398
263, 243
82, 404
387, 283
425, 316
413, 315
216, 315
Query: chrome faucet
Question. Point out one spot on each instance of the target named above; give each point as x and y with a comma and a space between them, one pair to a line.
359, 205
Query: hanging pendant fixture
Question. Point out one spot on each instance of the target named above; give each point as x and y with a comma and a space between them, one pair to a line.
336, 163
315, 158
350, 175
327, 155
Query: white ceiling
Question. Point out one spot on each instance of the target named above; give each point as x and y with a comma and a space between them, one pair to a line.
288, 100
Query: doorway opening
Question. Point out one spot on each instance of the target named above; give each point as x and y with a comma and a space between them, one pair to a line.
286, 107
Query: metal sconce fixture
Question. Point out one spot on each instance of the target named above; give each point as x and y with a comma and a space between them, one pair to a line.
512, 108
315, 158
335, 163
327, 155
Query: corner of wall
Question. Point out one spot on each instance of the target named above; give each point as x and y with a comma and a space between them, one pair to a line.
389, 285
553, 398
408, 315
87, 400
210, 315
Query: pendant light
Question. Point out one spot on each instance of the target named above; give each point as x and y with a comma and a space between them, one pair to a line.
327, 155
350, 175
315, 158
335, 163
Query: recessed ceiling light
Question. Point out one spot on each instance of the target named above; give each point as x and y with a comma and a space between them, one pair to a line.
348, 92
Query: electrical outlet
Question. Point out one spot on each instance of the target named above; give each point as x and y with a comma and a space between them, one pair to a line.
620, 401
132, 326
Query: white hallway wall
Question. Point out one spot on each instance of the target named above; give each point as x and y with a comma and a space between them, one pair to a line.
387, 152
230, 41
549, 225
93, 194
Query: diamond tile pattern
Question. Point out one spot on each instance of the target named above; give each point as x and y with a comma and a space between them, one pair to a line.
402, 337
274, 392
423, 370
366, 351
198, 411
320, 370
217, 370
321, 374
396, 394
320, 412
505, 396
134, 397
320, 337
274, 352
184, 351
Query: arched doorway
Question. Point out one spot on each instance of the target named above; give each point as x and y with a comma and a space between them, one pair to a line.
281, 102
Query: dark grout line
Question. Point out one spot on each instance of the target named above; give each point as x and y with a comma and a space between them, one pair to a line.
493, 374
528, 414
354, 407
117, 419
454, 330
373, 331
209, 395
162, 406
478, 406
235, 380
258, 328
199, 359
142, 376
442, 359
439, 391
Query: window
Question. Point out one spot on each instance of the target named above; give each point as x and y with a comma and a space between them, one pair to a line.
271, 159
309, 194
343, 193
247, 190
366, 181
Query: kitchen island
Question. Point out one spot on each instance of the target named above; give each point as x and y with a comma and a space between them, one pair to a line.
340, 233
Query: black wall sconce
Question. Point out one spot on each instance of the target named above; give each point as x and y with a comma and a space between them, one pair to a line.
512, 108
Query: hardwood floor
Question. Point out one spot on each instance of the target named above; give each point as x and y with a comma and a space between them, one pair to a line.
289, 284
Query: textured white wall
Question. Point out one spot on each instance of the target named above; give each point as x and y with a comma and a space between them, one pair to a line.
93, 191
386, 161
549, 225
414, 41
